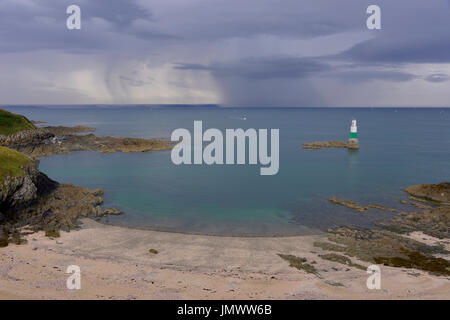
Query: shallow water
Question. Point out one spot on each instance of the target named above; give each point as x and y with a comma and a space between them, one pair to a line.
399, 147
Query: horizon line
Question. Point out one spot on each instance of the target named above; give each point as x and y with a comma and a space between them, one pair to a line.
212, 105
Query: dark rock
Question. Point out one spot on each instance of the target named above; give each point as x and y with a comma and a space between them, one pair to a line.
52, 233
112, 211
3, 237
25, 137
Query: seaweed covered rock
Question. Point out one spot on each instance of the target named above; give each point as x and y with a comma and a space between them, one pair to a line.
3, 237
434, 222
382, 246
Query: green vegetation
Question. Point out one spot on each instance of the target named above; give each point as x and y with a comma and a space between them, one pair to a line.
12, 163
298, 263
12, 123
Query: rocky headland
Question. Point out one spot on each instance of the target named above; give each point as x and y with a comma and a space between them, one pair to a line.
29, 200
48, 141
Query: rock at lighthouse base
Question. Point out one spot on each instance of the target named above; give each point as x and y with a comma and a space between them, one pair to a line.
331, 144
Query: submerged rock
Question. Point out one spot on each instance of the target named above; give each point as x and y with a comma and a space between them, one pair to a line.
352, 205
112, 211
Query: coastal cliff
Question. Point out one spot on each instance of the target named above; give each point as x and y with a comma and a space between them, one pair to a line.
23, 186
31, 200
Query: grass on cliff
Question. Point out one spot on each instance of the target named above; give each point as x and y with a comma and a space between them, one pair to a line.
12, 123
12, 163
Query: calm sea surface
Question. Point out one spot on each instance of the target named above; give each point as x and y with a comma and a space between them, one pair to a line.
399, 147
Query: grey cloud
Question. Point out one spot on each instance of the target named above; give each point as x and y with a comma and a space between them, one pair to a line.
134, 82
413, 31
106, 25
437, 77
390, 49
371, 75
219, 19
239, 37
262, 68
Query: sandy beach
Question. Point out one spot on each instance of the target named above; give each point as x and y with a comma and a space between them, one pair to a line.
116, 263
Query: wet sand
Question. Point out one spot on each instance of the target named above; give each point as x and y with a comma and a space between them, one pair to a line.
116, 264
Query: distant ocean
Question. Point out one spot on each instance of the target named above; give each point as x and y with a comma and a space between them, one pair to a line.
399, 147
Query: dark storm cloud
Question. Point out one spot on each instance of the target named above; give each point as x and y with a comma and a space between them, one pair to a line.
258, 52
106, 24
407, 49
412, 32
363, 76
263, 68
120, 24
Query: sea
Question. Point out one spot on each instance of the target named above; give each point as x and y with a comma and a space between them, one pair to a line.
399, 147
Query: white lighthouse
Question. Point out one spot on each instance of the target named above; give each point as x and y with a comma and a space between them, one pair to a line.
353, 140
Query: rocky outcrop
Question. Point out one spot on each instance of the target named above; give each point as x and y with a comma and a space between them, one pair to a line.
60, 130
35, 136
432, 192
112, 211
62, 140
389, 246
59, 209
330, 144
31, 199
21, 190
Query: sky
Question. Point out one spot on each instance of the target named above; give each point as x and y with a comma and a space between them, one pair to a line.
287, 53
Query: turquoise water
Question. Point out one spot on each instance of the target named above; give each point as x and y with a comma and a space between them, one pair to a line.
399, 147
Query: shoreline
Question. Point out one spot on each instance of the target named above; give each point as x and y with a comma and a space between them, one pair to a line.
155, 229
195, 265
116, 263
